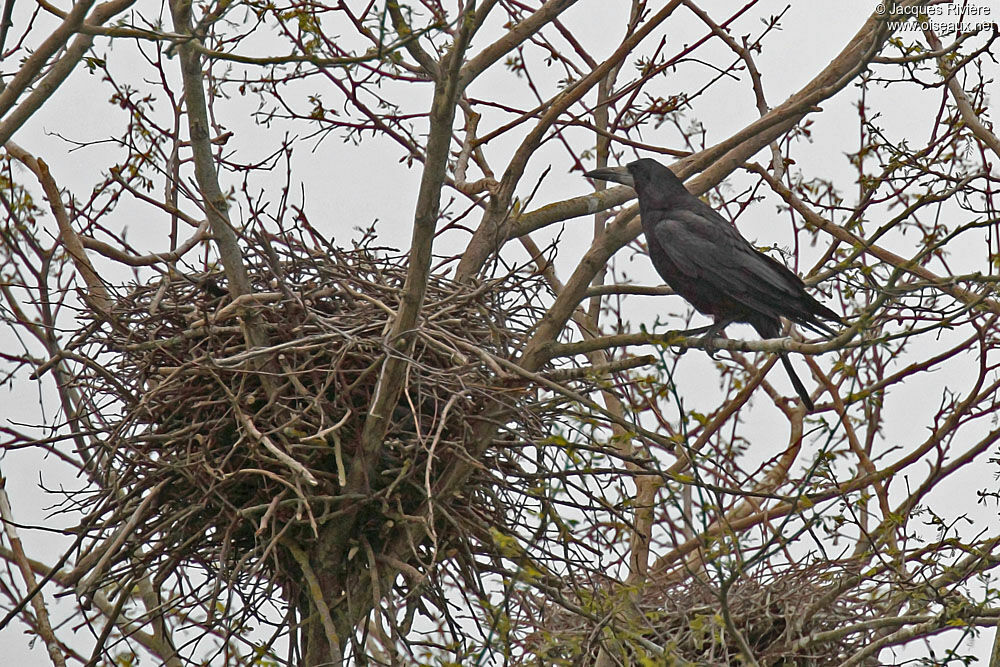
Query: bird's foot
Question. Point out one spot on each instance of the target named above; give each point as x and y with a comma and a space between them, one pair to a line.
705, 335
708, 344
712, 332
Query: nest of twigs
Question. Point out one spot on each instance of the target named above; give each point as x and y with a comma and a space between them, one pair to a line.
697, 621
226, 450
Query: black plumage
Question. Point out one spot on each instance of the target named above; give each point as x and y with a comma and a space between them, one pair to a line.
705, 260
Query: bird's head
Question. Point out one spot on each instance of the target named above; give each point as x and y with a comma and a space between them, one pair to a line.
647, 177
613, 174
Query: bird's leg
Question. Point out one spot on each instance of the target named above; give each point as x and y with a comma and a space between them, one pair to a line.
693, 332
713, 331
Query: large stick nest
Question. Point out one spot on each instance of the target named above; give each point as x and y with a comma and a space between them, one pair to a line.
224, 451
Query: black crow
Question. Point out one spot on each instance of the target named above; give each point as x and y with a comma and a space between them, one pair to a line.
705, 260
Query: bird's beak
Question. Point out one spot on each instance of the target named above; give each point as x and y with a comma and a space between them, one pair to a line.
614, 174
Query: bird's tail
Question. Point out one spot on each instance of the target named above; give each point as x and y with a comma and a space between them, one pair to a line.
796, 382
771, 328
817, 313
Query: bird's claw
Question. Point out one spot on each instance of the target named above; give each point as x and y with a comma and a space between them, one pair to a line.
704, 335
708, 344
712, 332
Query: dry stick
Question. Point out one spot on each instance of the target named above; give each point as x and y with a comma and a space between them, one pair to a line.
470, 146
43, 626
969, 115
427, 472
297, 468
238, 306
67, 235
317, 594
33, 65
43, 90
320, 438
116, 254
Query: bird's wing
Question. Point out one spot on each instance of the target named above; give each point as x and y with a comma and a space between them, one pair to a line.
702, 245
